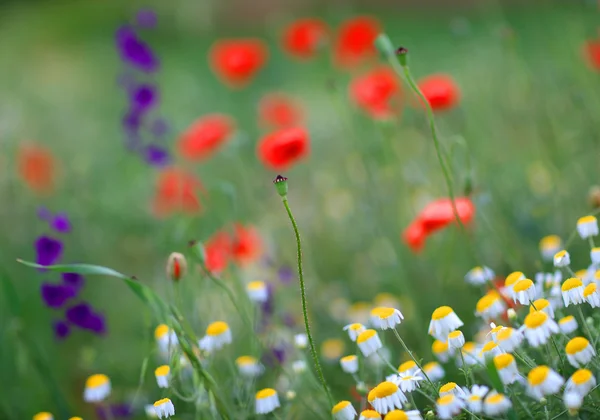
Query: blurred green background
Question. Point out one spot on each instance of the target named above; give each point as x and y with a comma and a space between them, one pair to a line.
528, 122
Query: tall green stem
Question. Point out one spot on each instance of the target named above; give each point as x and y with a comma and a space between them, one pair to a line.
311, 342
412, 357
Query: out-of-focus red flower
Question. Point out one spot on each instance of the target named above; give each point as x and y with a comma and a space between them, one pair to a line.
354, 42
247, 246
217, 251
205, 136
236, 61
277, 110
302, 38
591, 52
376, 91
435, 216
283, 148
36, 166
440, 90
176, 190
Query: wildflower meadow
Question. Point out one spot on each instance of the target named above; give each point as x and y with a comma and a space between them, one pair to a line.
299, 210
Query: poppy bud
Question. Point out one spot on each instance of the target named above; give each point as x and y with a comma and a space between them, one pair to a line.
281, 185
176, 266
402, 54
384, 46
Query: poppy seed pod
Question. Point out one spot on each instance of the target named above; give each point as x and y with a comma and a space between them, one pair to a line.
176, 266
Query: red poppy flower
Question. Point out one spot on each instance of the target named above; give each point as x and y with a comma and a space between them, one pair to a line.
36, 166
376, 91
276, 110
246, 246
440, 90
435, 216
355, 41
236, 61
217, 251
176, 190
283, 148
303, 37
591, 51
205, 136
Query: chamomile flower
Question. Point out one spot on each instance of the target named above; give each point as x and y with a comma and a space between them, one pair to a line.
368, 342
97, 388
595, 255
354, 330
257, 291
300, 341
524, 291
369, 415
217, 336
542, 381
562, 259
573, 401
478, 276
474, 397
496, 404
441, 350
494, 330
266, 401
443, 322
164, 408
165, 338
451, 388
249, 366
542, 305
434, 371
471, 354
403, 415
581, 382
408, 367
509, 339
386, 318
511, 280
568, 324
44, 415
538, 327
587, 227
449, 406
489, 350
349, 363
490, 306
299, 366
408, 381
549, 246
386, 396
343, 411
75, 418
579, 351
507, 368
572, 291
162, 373
591, 295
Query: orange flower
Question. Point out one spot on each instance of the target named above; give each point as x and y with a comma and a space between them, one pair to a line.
176, 190
355, 41
217, 251
440, 90
236, 61
246, 246
376, 91
277, 110
303, 37
36, 166
205, 136
282, 149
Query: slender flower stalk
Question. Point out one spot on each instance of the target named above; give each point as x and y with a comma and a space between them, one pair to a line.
281, 186
412, 356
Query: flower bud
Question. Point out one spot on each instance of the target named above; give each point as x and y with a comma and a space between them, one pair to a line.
511, 314
384, 45
430, 415
176, 266
281, 185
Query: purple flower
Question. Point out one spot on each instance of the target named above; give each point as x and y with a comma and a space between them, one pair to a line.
144, 97
55, 295
61, 330
83, 316
156, 155
120, 411
286, 275
276, 356
48, 250
132, 121
135, 51
73, 280
146, 18
61, 223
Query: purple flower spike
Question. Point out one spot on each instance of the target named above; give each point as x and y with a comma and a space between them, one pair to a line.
55, 295
73, 280
144, 97
61, 223
82, 316
156, 155
135, 51
48, 250
146, 18
61, 330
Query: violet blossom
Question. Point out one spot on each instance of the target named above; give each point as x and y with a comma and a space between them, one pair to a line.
48, 250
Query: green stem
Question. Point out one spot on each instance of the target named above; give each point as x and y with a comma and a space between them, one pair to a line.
412, 356
524, 360
311, 342
464, 368
585, 324
387, 362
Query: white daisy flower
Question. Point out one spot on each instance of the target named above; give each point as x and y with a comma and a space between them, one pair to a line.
343, 411
456, 339
403, 415
507, 368
249, 366
451, 388
408, 367
443, 322
258, 291
591, 295
581, 382
511, 280
496, 404
494, 330
163, 374
300, 341
490, 350
165, 338
538, 327
595, 256
524, 292
543, 381
44, 415
217, 336
549, 246
434, 371
572, 291
408, 381
299, 366
386, 318
509, 339
471, 353
349, 364
573, 402
369, 415
164, 408
568, 324
97, 388
478, 276
542, 305
368, 342
490, 306
579, 351
266, 401
562, 259
441, 350
354, 330
587, 227
386, 396
474, 397
449, 406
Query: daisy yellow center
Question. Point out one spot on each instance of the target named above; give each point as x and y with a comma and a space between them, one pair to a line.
477, 271
538, 375
407, 378
496, 329
487, 301
582, 376
523, 285
504, 334
96, 380
446, 399
512, 278
469, 347
535, 319
332, 348
550, 241
576, 345
407, 366
376, 311
455, 334
339, 406
396, 415
386, 312
429, 366
539, 304
597, 275
560, 254
439, 346
256, 285
567, 319
586, 219
502, 361
43, 416
161, 402
580, 274
441, 313
347, 359
370, 414
366, 335
75, 418
162, 370
385, 389
371, 396
355, 327
490, 345
245, 360
589, 290
474, 398
447, 387
571, 284
495, 399
265, 393
161, 331
217, 328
